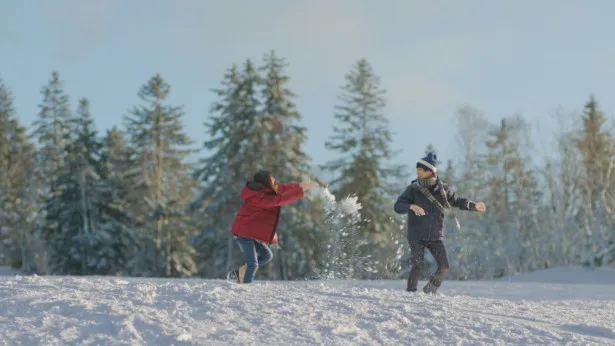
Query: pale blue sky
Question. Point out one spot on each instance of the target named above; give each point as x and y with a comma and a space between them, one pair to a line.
432, 56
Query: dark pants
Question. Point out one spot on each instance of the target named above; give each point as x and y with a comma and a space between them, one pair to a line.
255, 253
417, 254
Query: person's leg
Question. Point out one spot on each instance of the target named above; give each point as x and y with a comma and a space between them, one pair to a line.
438, 251
264, 254
417, 253
248, 248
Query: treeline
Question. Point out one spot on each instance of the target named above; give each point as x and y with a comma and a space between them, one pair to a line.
127, 201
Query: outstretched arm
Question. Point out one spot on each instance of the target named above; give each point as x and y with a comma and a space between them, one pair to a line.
402, 205
463, 203
287, 193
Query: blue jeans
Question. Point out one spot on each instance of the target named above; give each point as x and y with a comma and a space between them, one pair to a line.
255, 253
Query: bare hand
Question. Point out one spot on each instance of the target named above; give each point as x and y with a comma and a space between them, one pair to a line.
307, 184
480, 206
418, 211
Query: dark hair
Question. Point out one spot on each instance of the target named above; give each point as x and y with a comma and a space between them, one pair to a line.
265, 178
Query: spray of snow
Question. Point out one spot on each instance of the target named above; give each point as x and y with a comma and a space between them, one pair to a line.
342, 218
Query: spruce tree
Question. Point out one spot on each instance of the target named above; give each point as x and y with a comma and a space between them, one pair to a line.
118, 172
231, 161
165, 186
284, 155
363, 140
75, 210
16, 160
254, 125
52, 129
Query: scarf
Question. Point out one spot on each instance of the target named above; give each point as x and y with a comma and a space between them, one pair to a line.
425, 184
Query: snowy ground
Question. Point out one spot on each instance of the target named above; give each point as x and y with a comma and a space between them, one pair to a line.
562, 306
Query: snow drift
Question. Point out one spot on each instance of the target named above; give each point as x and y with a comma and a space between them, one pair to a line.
139, 311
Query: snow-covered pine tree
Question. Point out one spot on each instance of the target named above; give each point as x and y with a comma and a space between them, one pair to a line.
119, 170
301, 238
52, 130
75, 210
363, 140
165, 186
235, 154
16, 160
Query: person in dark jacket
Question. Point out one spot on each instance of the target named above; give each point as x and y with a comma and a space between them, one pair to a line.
426, 201
256, 222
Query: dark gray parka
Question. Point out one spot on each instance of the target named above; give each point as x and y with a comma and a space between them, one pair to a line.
431, 225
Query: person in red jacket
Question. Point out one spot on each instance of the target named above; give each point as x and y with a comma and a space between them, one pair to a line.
255, 224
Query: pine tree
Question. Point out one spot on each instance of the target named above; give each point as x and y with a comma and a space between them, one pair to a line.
284, 155
363, 140
52, 128
233, 158
165, 184
16, 159
118, 173
75, 210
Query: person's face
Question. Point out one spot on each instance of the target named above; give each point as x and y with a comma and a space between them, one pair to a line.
423, 174
272, 181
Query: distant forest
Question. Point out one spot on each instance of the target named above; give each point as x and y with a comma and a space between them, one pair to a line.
127, 201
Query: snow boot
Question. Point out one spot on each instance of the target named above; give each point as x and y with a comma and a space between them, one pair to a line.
233, 275
237, 274
240, 273
432, 286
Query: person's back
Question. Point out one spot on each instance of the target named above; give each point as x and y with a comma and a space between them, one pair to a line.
256, 222
257, 217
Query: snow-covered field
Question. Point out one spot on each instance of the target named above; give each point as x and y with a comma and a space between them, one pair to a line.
570, 306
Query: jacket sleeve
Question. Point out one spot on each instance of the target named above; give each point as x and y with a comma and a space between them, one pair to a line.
287, 193
402, 205
458, 202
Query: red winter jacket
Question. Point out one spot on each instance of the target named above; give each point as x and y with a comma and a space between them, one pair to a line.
258, 216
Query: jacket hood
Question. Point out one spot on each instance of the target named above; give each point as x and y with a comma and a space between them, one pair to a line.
252, 188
